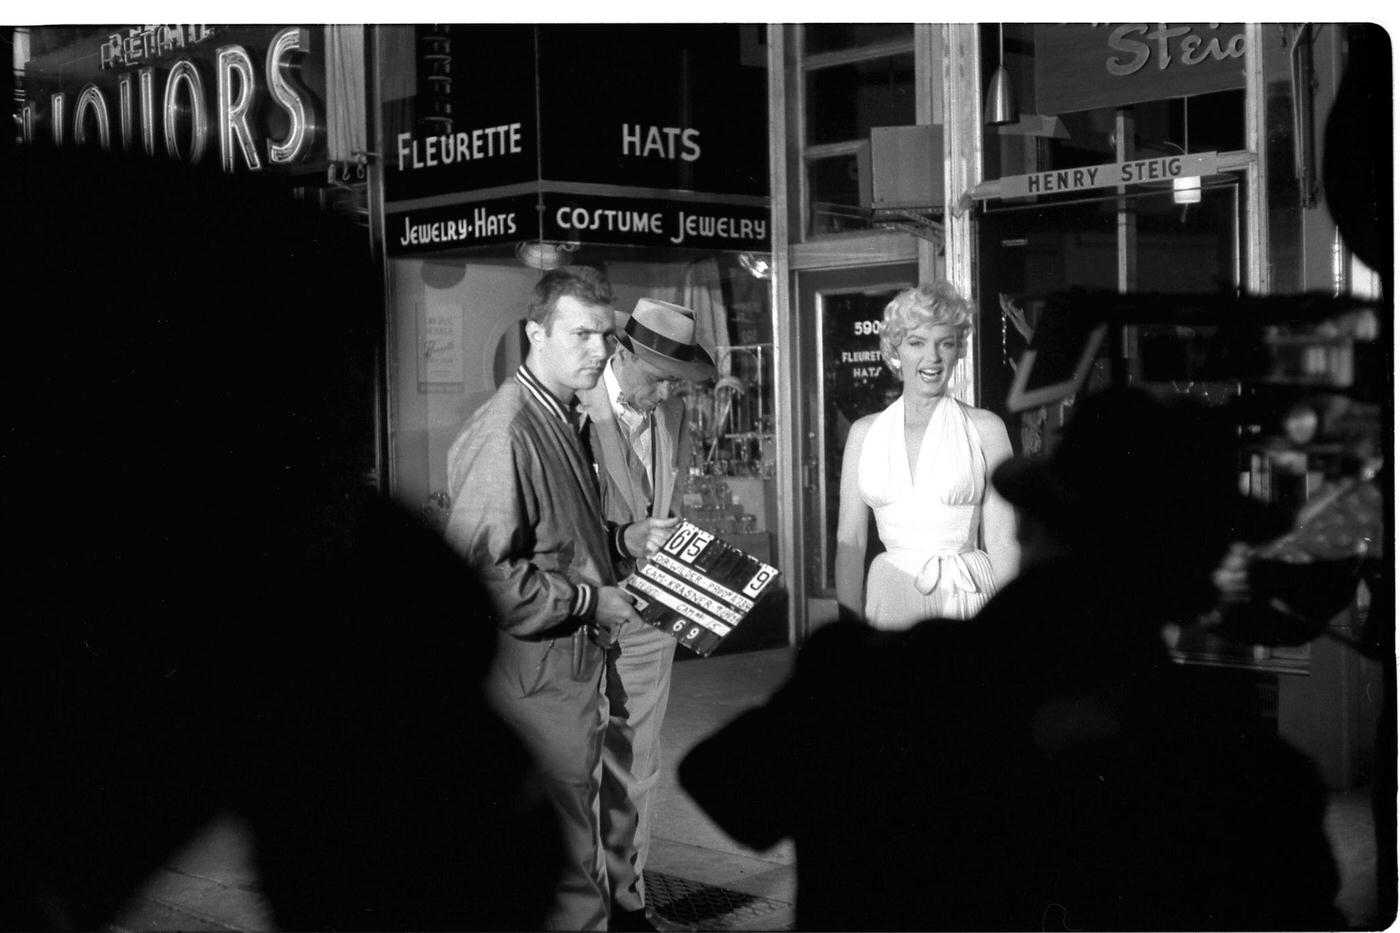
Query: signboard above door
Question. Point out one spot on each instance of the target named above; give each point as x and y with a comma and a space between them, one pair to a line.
1086, 66
565, 216
1112, 175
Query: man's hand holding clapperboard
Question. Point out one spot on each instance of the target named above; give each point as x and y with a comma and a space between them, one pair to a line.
698, 587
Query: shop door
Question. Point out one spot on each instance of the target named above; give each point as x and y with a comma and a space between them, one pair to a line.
846, 378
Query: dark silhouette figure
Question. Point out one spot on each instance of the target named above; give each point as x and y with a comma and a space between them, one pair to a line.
1357, 178
1044, 765
211, 607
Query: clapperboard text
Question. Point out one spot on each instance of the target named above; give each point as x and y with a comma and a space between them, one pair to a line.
699, 587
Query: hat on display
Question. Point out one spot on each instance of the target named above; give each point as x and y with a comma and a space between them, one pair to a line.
663, 334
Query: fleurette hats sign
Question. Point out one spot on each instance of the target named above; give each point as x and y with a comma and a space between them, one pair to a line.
656, 137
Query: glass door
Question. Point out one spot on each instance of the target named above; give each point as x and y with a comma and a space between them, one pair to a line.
840, 311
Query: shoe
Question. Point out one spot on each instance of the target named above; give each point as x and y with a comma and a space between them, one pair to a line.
665, 925
630, 921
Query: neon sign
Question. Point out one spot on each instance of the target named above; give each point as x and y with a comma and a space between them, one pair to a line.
184, 108
141, 43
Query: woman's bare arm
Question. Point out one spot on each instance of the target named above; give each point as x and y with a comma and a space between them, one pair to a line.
853, 518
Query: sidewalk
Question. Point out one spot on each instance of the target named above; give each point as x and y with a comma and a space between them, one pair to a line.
748, 890
697, 877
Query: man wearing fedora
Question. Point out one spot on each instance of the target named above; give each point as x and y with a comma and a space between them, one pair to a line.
526, 513
641, 443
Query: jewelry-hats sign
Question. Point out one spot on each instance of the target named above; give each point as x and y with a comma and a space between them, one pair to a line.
656, 137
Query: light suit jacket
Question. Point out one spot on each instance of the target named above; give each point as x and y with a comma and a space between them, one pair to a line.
526, 515
624, 498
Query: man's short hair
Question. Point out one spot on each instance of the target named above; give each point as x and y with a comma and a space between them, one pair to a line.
584, 283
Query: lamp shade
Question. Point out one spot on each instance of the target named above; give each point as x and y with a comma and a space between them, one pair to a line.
544, 254
758, 265
1187, 190
1001, 99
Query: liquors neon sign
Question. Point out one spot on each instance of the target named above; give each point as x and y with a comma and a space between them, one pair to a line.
182, 108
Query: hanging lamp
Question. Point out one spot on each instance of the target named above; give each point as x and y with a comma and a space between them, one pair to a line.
1001, 97
1186, 189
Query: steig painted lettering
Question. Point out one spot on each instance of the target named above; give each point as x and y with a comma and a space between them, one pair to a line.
1191, 50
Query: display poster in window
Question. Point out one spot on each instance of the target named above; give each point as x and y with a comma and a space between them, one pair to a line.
440, 349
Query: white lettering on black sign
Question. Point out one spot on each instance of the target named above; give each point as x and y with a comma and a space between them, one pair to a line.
482, 224
660, 142
724, 228
609, 220
487, 142
685, 225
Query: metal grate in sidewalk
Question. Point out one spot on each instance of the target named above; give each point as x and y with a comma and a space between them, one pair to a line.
700, 906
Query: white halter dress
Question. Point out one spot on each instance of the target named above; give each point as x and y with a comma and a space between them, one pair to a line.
928, 523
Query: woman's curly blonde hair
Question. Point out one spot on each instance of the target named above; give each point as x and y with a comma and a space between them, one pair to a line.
933, 303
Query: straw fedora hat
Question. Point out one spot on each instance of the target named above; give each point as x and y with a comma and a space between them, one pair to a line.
663, 334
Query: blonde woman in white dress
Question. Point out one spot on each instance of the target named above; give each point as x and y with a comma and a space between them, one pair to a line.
921, 466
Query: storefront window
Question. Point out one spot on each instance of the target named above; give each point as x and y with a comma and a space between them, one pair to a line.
647, 158
1068, 121
844, 101
1293, 171
834, 184
1096, 180
459, 318
1116, 165
854, 78
1106, 162
836, 37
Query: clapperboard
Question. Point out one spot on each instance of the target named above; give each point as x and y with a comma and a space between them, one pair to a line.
698, 588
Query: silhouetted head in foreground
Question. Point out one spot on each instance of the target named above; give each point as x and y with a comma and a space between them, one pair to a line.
1144, 488
223, 611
